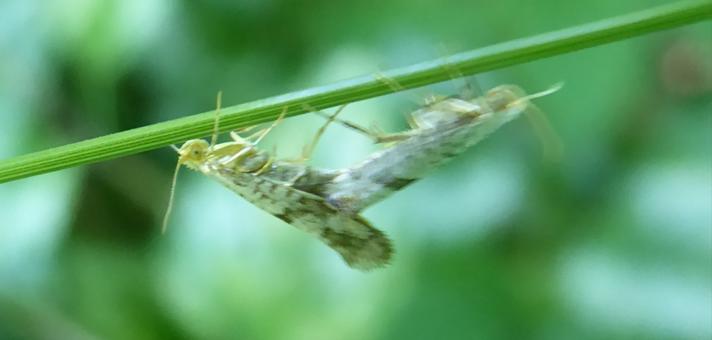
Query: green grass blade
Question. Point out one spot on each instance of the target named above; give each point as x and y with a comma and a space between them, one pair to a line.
467, 63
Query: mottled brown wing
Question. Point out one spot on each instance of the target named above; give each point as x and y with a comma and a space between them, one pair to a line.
361, 245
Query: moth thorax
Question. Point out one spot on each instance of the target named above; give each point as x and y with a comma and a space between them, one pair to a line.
427, 117
251, 161
504, 97
447, 111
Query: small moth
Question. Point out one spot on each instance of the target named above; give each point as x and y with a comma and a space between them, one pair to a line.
440, 130
272, 185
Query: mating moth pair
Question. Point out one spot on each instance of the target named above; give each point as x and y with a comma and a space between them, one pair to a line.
327, 203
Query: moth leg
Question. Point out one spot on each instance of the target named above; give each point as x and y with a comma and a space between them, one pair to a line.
395, 86
470, 89
309, 148
257, 136
275, 123
392, 83
236, 136
348, 124
430, 98
246, 129
412, 123
216, 123
264, 167
374, 133
290, 182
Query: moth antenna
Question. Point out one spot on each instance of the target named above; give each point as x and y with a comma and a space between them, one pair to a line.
309, 149
550, 141
170, 199
554, 88
279, 120
553, 147
175, 148
216, 126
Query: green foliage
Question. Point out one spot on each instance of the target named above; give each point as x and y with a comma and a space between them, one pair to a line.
612, 242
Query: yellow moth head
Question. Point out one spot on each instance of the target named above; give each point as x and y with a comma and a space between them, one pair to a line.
193, 153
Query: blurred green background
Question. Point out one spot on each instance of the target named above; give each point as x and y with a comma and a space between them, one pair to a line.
614, 241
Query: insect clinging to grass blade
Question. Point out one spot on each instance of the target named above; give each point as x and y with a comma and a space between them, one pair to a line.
440, 130
272, 185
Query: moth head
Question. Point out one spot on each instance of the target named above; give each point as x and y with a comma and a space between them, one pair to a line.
509, 101
193, 153
506, 97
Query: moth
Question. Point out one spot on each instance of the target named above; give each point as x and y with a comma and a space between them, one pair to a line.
272, 185
439, 131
